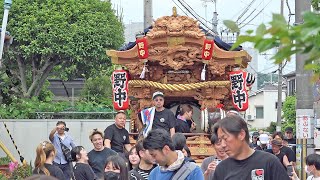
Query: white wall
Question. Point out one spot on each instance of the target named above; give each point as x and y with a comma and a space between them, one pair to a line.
28, 134
267, 100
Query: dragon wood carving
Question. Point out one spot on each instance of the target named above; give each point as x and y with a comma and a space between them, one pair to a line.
176, 57
175, 26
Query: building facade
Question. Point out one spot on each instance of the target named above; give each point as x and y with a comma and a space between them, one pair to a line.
263, 106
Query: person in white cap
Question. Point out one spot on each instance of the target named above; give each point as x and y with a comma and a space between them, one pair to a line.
264, 141
158, 117
163, 117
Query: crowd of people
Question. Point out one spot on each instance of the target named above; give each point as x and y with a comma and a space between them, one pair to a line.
161, 152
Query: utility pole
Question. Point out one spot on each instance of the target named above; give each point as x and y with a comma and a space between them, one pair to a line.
215, 21
279, 106
304, 112
147, 13
7, 6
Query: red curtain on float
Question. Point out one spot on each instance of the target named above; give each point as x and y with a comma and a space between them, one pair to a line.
239, 92
142, 45
120, 79
207, 49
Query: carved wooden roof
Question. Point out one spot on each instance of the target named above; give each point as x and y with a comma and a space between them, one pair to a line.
175, 42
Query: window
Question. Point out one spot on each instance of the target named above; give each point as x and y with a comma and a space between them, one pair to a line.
259, 112
292, 87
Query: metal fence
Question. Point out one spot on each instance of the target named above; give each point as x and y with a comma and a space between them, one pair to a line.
28, 133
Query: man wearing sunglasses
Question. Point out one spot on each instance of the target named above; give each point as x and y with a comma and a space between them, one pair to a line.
58, 134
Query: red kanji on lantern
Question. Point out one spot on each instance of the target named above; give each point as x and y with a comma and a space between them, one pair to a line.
142, 46
207, 48
239, 92
120, 79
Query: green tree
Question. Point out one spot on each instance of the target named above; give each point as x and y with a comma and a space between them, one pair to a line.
289, 109
68, 38
289, 112
302, 38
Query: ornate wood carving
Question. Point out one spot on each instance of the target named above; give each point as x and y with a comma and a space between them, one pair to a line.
176, 57
175, 26
135, 69
216, 68
211, 97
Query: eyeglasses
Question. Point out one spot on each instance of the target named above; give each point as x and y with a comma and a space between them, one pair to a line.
60, 128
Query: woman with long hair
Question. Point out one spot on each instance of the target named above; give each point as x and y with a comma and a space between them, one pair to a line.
82, 170
116, 168
43, 163
133, 157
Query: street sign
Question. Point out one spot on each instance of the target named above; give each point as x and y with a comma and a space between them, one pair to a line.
304, 128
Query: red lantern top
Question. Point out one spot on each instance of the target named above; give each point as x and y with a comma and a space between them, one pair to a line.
207, 48
142, 45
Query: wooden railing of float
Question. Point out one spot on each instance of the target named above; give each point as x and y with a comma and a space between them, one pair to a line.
200, 146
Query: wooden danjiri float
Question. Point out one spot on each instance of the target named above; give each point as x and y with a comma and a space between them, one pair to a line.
188, 65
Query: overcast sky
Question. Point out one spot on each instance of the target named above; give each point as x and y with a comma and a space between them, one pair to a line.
260, 11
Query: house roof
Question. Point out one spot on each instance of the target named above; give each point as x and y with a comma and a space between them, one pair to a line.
267, 87
290, 74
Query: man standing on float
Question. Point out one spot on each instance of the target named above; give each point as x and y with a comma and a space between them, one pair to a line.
158, 117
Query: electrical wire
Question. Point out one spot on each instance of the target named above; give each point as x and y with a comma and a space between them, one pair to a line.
250, 13
204, 24
245, 11
191, 9
256, 15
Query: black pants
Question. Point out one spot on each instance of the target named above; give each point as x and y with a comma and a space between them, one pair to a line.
66, 169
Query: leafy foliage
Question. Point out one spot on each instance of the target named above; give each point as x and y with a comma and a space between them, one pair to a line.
98, 89
302, 38
262, 78
272, 128
315, 4
27, 108
21, 172
289, 112
5, 160
68, 38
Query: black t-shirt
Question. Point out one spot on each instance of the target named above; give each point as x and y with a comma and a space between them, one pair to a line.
118, 137
260, 165
253, 145
53, 170
97, 160
279, 156
182, 126
289, 153
143, 173
83, 172
261, 148
164, 120
292, 141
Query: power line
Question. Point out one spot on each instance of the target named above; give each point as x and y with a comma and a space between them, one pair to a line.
250, 13
256, 15
204, 24
190, 8
246, 10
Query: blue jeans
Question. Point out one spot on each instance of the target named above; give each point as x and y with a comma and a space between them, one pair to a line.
66, 169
